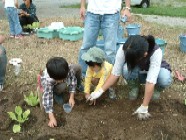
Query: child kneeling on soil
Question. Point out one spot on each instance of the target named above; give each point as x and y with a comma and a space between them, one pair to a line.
97, 72
55, 79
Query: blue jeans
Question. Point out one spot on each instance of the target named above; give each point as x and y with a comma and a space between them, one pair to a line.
13, 19
3, 63
108, 24
164, 77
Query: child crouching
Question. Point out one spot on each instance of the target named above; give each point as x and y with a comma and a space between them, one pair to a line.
55, 79
97, 72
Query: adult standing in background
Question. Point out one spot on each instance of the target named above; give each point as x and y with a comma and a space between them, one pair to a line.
27, 14
104, 15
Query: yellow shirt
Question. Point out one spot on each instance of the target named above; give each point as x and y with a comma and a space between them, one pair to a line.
103, 74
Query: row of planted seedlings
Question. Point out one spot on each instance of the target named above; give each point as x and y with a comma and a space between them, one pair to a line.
19, 116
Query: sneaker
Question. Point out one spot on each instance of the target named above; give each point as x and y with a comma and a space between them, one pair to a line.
19, 36
12, 36
112, 94
1, 87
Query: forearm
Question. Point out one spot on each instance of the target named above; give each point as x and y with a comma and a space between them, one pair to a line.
127, 3
16, 3
51, 116
71, 95
110, 82
149, 90
83, 2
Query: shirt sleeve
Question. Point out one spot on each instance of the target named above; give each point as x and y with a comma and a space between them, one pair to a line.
72, 81
119, 62
48, 96
88, 78
106, 73
155, 65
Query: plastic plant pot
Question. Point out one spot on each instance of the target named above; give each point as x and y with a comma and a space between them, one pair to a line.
71, 33
133, 29
67, 108
162, 44
46, 33
183, 43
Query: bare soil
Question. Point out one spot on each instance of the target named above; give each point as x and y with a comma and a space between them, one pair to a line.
109, 119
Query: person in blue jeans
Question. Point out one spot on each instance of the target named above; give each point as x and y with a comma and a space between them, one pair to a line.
139, 61
3, 63
104, 15
13, 18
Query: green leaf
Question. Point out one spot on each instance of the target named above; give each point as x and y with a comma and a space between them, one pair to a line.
32, 99
18, 110
185, 101
12, 115
26, 114
16, 128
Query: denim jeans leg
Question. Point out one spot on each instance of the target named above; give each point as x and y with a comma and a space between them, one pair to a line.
91, 31
109, 27
164, 78
130, 75
3, 63
15, 18
10, 20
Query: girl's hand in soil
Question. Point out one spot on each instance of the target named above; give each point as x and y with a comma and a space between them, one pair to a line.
52, 120
142, 113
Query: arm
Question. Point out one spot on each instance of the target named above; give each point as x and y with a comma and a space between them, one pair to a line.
110, 82
82, 9
48, 104
16, 3
126, 11
152, 76
72, 81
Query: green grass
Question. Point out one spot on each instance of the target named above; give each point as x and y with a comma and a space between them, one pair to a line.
153, 10
163, 11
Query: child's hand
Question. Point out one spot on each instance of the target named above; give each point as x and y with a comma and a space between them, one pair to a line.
71, 102
52, 120
87, 95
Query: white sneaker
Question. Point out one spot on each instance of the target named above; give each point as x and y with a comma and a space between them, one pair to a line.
1, 87
112, 94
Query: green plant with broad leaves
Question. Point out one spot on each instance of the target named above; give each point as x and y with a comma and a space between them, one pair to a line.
20, 117
32, 99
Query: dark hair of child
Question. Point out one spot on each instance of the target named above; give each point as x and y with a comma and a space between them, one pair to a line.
92, 64
57, 68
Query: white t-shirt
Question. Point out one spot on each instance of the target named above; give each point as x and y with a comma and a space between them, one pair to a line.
102, 7
9, 3
154, 68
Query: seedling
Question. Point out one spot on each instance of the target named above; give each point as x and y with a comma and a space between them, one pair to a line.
32, 99
20, 117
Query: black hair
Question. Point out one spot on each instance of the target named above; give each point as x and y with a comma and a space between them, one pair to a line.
30, 1
57, 68
134, 49
92, 64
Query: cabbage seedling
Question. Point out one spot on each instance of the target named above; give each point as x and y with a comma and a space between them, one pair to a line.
20, 117
32, 99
